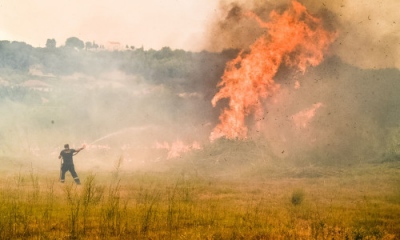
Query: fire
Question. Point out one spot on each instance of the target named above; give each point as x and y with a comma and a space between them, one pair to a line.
303, 118
295, 38
177, 148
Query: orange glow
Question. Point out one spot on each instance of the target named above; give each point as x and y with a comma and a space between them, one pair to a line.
303, 118
177, 148
295, 38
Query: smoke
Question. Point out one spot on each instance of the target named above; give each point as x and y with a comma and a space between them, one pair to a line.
333, 112
369, 31
370, 36
139, 108
122, 105
294, 38
337, 115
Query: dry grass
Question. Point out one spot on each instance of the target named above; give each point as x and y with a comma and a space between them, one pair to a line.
361, 202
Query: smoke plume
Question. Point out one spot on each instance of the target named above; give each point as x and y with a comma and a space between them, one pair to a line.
369, 31
331, 112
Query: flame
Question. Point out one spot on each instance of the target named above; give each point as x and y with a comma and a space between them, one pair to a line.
295, 38
177, 148
304, 117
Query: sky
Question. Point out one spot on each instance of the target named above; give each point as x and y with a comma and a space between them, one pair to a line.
369, 31
179, 24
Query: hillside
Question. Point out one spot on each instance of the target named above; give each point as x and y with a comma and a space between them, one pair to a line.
138, 104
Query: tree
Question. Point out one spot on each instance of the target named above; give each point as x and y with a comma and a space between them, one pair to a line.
88, 45
51, 43
15, 55
95, 45
74, 42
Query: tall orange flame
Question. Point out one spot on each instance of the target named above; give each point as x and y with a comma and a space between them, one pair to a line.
295, 38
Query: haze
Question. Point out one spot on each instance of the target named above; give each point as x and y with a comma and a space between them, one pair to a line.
151, 24
369, 31
157, 96
320, 157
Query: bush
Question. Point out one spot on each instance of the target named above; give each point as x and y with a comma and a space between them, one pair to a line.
297, 197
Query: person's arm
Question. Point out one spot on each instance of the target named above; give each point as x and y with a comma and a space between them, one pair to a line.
78, 150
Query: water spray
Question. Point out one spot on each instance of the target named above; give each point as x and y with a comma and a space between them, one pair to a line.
120, 132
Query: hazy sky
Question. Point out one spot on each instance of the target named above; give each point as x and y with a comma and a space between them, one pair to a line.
369, 30
150, 23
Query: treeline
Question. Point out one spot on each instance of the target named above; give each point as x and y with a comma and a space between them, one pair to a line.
179, 70
91, 59
53, 94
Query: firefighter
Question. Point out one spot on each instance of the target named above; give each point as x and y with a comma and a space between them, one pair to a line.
67, 163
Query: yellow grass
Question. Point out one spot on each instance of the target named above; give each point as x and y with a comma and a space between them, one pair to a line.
358, 202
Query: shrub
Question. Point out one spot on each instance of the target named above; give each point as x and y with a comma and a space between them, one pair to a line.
297, 197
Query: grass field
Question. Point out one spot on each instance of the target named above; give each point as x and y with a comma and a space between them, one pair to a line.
361, 201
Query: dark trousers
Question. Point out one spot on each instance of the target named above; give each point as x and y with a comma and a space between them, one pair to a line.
69, 167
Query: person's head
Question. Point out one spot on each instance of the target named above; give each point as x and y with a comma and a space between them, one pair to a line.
66, 146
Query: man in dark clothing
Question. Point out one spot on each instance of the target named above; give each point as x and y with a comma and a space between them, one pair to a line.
67, 163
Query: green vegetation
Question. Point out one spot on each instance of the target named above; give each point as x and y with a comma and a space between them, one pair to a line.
73, 57
70, 93
335, 178
47, 92
361, 202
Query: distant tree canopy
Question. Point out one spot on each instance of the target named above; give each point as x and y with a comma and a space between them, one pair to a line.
161, 65
15, 55
88, 45
176, 71
74, 42
51, 43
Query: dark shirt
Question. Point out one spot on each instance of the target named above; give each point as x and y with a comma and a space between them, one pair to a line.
66, 155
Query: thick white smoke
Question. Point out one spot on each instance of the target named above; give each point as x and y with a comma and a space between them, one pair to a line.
369, 30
